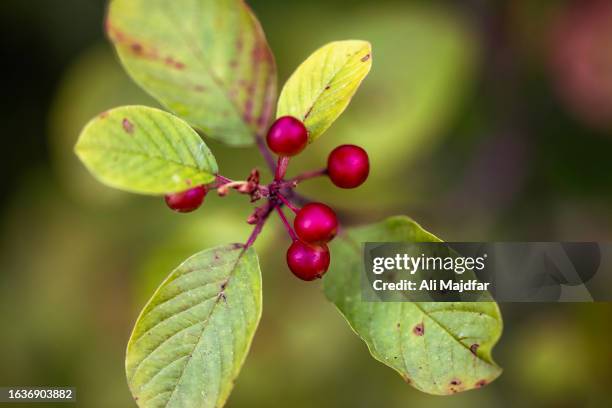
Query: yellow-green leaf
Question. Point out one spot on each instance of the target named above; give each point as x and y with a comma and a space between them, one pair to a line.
145, 150
206, 60
438, 347
191, 339
322, 87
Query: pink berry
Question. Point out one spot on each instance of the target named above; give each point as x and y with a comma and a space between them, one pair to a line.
308, 262
287, 136
348, 166
186, 201
316, 223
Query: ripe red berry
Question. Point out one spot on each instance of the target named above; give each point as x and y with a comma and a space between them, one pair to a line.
287, 136
186, 201
316, 223
348, 166
308, 262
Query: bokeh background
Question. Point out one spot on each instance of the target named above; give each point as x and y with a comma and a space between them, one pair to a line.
484, 120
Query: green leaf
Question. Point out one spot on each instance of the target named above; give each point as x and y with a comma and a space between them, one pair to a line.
191, 339
206, 60
145, 150
439, 348
322, 87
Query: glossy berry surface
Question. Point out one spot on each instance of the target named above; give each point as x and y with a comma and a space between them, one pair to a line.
287, 136
308, 262
316, 223
186, 201
348, 166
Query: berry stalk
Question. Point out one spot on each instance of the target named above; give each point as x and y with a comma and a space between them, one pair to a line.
281, 168
307, 176
287, 203
292, 234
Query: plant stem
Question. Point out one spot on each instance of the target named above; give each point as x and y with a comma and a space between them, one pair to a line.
263, 149
221, 181
259, 226
287, 203
309, 175
281, 168
304, 176
286, 223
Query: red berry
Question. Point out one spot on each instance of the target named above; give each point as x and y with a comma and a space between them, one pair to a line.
348, 166
186, 201
287, 136
316, 223
308, 262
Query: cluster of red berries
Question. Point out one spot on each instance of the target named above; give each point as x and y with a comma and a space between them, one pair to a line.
315, 224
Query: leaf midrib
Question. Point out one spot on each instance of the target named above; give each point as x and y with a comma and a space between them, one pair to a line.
328, 83
204, 324
95, 147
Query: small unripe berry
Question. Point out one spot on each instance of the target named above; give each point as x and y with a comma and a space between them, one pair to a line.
186, 201
348, 166
287, 136
308, 262
316, 223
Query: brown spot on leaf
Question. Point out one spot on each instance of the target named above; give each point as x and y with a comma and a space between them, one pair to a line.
419, 329
474, 348
365, 58
398, 325
136, 48
103, 115
260, 52
455, 382
406, 378
127, 126
327, 87
481, 383
113, 33
171, 62
199, 88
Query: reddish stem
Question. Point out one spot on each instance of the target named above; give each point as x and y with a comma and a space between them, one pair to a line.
259, 226
309, 175
281, 168
304, 176
220, 181
223, 179
287, 203
286, 223
263, 149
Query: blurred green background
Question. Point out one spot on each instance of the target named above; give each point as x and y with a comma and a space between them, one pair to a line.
484, 121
